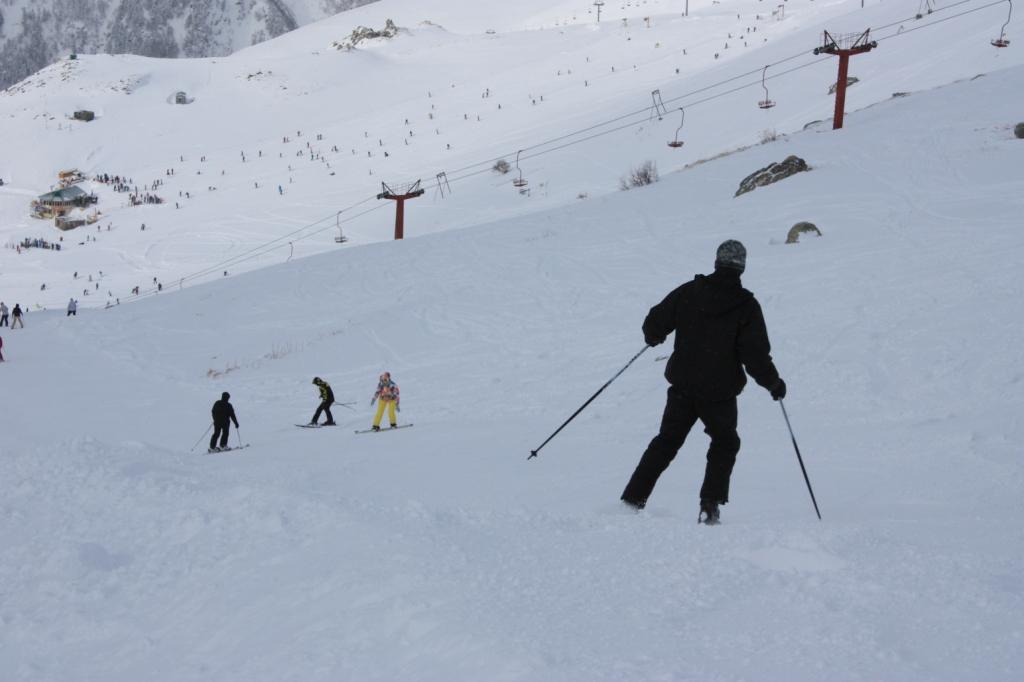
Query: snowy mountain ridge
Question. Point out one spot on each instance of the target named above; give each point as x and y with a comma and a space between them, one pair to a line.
280, 137
33, 33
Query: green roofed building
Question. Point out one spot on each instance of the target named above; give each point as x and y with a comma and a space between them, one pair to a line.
67, 197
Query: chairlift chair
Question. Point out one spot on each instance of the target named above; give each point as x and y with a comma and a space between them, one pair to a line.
1002, 40
767, 102
677, 143
520, 181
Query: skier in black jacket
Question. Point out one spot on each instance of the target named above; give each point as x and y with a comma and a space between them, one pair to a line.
720, 330
326, 400
223, 415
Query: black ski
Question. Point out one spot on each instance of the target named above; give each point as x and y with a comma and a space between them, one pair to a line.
227, 449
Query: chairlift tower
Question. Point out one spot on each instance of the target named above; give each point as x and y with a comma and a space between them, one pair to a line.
399, 196
844, 46
599, 4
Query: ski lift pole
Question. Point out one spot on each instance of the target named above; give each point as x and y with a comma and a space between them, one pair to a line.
533, 453
800, 459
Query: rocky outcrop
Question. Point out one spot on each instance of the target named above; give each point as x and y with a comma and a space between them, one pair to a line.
44, 30
772, 173
801, 228
362, 34
1018, 131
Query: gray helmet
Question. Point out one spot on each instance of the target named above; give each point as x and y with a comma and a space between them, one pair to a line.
731, 254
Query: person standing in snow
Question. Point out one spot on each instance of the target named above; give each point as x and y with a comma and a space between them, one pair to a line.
326, 400
3, 314
72, 308
1, 349
17, 314
388, 394
223, 414
720, 331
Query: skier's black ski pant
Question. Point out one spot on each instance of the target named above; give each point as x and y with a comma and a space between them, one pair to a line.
681, 413
324, 407
221, 431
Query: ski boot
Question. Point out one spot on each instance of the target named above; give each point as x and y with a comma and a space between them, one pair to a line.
330, 424
394, 426
375, 428
213, 450
708, 513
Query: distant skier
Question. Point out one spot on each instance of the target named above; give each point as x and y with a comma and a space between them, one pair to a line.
326, 399
72, 308
1, 349
720, 330
388, 394
223, 415
3, 314
17, 315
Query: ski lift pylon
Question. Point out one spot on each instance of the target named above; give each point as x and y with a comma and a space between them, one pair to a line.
767, 102
1002, 40
677, 143
520, 181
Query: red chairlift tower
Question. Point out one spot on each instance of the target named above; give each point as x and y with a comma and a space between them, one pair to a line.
408, 191
844, 46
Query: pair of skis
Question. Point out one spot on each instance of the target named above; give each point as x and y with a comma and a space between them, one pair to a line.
230, 448
389, 428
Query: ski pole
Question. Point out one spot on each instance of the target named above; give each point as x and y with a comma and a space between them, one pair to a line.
202, 436
533, 453
800, 459
348, 405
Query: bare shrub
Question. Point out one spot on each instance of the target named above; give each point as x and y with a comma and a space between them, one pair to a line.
769, 135
644, 174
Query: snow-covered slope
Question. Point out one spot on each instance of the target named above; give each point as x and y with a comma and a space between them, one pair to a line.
548, 66
35, 32
439, 552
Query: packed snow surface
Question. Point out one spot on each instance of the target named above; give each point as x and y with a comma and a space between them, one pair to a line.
439, 552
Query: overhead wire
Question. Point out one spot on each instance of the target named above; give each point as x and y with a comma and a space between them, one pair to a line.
635, 118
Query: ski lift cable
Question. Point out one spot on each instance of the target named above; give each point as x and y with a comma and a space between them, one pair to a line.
940, 21
711, 86
461, 174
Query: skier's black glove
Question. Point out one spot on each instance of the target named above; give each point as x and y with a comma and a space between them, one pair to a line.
654, 342
778, 391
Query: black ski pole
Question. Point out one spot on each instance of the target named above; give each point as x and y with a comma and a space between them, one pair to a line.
202, 436
347, 405
533, 453
800, 459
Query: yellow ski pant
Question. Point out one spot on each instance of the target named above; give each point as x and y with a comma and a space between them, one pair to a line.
390, 404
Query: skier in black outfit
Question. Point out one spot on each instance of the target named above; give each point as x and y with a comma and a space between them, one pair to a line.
326, 400
223, 415
720, 330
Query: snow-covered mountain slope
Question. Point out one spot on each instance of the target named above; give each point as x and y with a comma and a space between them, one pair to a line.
440, 553
552, 73
33, 33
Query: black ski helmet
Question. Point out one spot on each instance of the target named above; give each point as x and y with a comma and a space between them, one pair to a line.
225, 395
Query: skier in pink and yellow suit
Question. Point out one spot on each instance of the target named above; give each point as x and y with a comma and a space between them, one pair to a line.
387, 393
